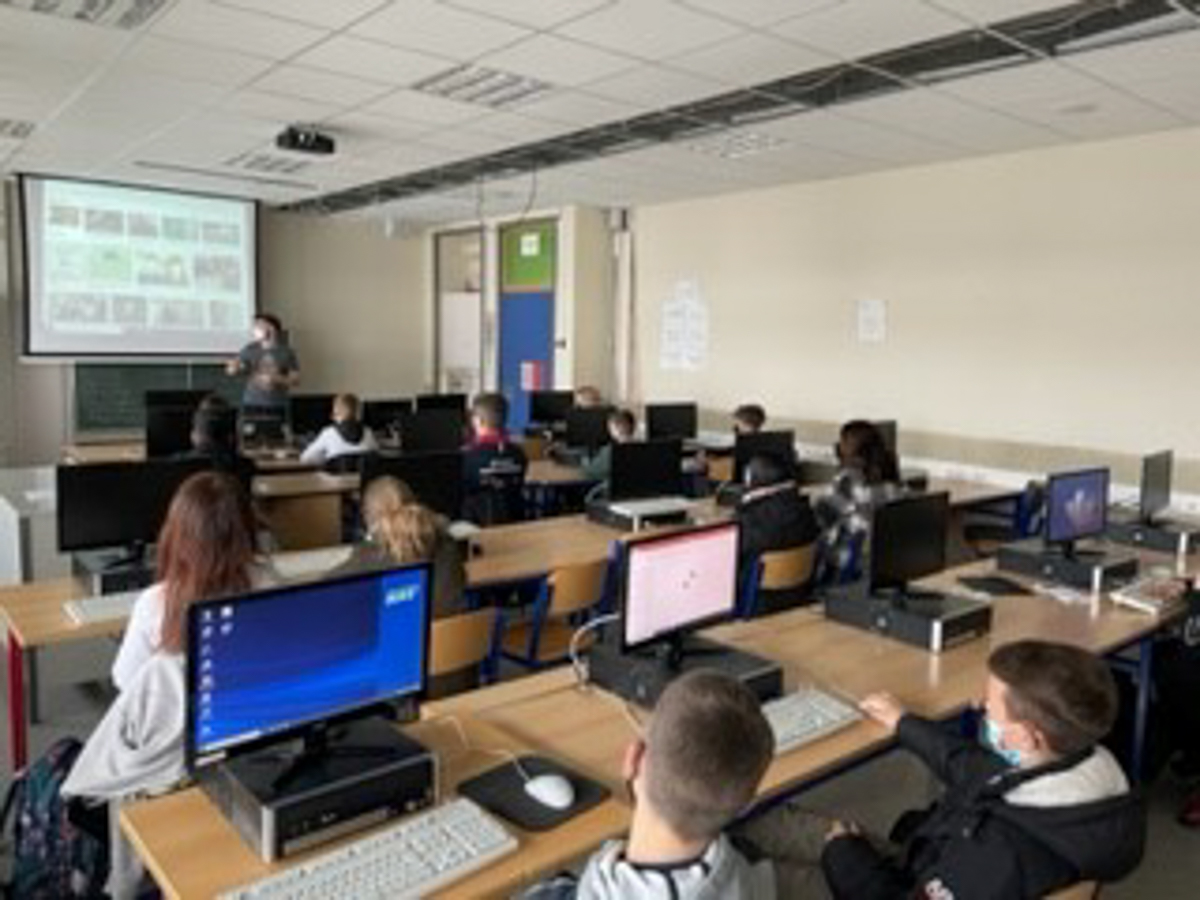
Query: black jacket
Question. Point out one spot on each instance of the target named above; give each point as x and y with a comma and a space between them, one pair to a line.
494, 476
973, 845
774, 521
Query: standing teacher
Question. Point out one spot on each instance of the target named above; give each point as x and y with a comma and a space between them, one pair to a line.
269, 364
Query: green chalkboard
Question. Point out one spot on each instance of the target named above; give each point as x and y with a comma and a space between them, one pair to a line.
527, 256
111, 396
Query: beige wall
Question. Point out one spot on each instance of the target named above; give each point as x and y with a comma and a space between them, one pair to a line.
353, 300
588, 266
1047, 298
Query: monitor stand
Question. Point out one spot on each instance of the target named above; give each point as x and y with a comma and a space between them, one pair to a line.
641, 675
1073, 566
114, 571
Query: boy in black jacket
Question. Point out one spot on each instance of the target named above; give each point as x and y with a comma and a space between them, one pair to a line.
772, 515
1041, 807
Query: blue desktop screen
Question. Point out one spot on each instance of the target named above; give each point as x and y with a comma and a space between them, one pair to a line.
272, 661
1076, 505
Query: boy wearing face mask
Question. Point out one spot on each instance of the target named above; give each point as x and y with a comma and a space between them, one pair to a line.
1038, 806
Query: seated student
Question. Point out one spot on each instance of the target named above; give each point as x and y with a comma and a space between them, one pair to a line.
205, 549
868, 475
588, 397
697, 768
346, 436
1040, 807
772, 513
622, 428
749, 418
494, 467
207, 546
215, 439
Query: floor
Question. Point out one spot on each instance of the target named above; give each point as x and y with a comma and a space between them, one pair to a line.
872, 794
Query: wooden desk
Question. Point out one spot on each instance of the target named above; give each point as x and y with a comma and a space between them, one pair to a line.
304, 509
511, 553
135, 451
193, 852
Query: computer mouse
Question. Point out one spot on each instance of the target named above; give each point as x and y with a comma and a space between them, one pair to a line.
551, 790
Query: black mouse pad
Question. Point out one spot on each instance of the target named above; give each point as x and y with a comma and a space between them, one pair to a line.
993, 585
502, 791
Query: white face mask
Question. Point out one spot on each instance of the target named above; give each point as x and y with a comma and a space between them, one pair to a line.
260, 334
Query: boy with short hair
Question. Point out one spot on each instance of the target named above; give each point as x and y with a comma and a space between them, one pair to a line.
346, 435
494, 467
1040, 807
622, 428
696, 769
749, 418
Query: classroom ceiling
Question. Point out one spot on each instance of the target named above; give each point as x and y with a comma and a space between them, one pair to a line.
190, 93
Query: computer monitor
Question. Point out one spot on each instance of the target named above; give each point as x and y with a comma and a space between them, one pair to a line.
435, 478
778, 444
262, 425
671, 420
339, 649
908, 540
587, 427
119, 504
1156, 485
386, 415
678, 582
441, 401
309, 413
433, 430
887, 432
642, 469
1076, 507
550, 407
174, 398
168, 430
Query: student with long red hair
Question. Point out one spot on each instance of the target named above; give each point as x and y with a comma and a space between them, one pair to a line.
205, 549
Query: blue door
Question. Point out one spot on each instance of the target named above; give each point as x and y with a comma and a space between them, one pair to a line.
526, 350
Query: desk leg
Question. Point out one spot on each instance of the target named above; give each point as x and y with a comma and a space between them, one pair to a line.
35, 706
1145, 674
17, 736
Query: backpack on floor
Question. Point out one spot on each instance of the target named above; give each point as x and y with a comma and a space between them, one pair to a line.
51, 858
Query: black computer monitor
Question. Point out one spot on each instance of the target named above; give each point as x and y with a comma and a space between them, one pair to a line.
435, 478
339, 650
175, 398
119, 504
778, 444
587, 427
550, 407
433, 430
1076, 507
262, 425
671, 420
168, 430
908, 540
441, 401
675, 583
887, 433
309, 413
642, 469
1156, 485
386, 415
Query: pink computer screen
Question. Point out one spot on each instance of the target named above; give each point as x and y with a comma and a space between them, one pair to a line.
674, 582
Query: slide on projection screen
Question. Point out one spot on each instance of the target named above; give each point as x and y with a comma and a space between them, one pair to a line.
114, 270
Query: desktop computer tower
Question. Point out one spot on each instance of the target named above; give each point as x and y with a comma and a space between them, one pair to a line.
933, 622
1162, 537
1034, 559
111, 571
384, 775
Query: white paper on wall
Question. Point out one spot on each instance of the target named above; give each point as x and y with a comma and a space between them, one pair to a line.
872, 321
684, 338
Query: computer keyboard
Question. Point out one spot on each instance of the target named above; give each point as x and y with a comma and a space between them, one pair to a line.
1152, 594
102, 608
307, 563
413, 858
805, 716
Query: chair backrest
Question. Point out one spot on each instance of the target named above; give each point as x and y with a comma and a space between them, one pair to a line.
457, 642
576, 588
535, 446
788, 569
1083, 890
720, 469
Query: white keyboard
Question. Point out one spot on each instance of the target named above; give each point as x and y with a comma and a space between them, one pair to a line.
412, 858
654, 506
806, 716
307, 563
104, 608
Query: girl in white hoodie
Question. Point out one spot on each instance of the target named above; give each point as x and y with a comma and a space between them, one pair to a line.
206, 548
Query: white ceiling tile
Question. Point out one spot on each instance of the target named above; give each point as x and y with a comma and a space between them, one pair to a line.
322, 13
1170, 56
277, 108
578, 109
532, 13
160, 55
758, 13
654, 86
1009, 87
650, 29
857, 28
846, 136
235, 29
1177, 94
373, 127
461, 142
750, 59
1098, 114
320, 86
991, 12
434, 28
59, 38
374, 61
517, 128
557, 60
413, 106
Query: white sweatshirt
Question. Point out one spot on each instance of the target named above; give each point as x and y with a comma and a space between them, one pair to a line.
330, 444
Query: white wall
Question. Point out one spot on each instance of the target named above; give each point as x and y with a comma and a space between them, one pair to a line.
1043, 298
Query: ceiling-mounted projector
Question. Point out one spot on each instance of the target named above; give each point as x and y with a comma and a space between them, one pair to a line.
305, 139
